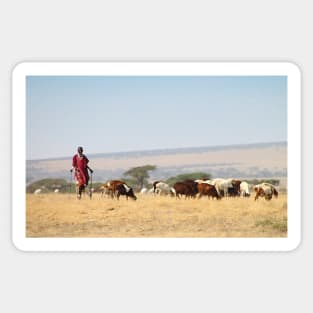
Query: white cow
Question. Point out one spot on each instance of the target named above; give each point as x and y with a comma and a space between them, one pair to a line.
56, 190
173, 192
144, 191
265, 190
222, 185
244, 189
162, 188
37, 191
208, 181
151, 191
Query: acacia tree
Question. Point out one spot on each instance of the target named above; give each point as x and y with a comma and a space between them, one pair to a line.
140, 174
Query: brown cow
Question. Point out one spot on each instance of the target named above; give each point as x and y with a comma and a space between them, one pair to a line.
207, 190
192, 185
112, 186
182, 188
118, 188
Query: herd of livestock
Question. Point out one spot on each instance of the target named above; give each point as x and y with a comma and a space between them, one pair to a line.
215, 188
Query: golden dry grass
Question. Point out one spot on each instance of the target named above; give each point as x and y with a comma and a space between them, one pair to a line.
62, 215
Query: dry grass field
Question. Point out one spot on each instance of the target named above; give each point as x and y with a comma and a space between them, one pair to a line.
62, 215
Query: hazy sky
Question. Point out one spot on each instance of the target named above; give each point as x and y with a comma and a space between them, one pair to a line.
110, 114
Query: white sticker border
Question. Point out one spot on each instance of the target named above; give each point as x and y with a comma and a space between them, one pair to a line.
22, 70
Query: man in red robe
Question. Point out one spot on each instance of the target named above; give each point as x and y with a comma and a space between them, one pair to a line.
80, 165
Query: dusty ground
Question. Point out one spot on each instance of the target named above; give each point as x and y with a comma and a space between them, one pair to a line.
62, 215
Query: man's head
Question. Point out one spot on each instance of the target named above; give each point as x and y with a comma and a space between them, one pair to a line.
80, 150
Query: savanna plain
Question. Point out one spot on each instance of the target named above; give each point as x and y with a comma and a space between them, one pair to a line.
62, 215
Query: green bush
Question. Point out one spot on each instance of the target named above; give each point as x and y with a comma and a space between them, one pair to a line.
274, 182
50, 185
193, 176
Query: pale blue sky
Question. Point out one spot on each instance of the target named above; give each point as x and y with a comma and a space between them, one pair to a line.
111, 114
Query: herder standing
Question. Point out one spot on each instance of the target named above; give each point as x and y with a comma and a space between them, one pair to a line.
80, 166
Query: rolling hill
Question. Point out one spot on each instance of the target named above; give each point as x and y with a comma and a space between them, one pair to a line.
261, 160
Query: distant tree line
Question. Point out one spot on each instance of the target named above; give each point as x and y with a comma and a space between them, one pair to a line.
137, 177
48, 185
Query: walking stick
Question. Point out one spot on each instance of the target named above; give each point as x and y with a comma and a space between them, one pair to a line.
90, 186
71, 182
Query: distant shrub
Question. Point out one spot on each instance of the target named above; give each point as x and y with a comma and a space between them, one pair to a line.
274, 182
50, 185
193, 176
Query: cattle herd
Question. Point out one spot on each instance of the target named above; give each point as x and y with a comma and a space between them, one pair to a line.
215, 188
